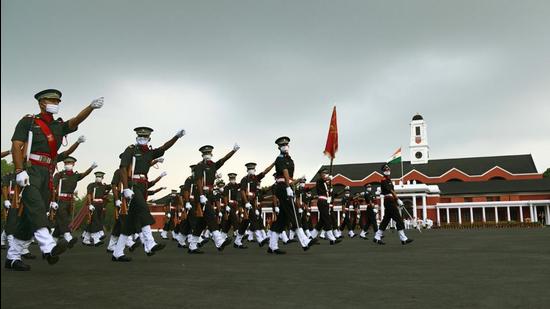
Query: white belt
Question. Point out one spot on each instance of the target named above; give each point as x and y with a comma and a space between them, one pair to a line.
65, 195
139, 176
40, 158
322, 197
99, 200
280, 180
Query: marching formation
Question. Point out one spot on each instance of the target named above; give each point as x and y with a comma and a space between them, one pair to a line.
39, 202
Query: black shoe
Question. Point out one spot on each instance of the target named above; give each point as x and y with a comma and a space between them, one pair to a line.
363, 237
239, 246
150, 253
59, 248
164, 238
110, 251
196, 251
291, 241
314, 241
17, 265
28, 256
182, 246
334, 242
122, 258
203, 242
264, 242
72, 242
102, 237
380, 242
52, 259
100, 243
353, 236
158, 247
134, 246
277, 251
225, 243
408, 241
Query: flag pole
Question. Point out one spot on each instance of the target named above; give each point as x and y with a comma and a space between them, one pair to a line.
401, 148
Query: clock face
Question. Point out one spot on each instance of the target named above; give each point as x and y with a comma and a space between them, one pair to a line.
418, 154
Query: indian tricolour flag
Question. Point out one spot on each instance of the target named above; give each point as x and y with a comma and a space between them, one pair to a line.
395, 157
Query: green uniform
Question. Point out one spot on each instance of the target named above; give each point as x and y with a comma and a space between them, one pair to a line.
98, 192
63, 215
8, 180
139, 214
36, 197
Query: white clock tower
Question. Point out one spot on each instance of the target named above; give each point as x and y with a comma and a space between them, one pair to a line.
419, 149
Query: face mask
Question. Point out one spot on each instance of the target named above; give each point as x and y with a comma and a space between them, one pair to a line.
233, 181
142, 140
369, 189
220, 189
308, 194
69, 167
207, 157
387, 173
347, 195
284, 149
98, 179
251, 172
52, 108
302, 185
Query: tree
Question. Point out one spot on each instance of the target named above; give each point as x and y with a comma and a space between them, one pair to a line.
546, 173
6, 167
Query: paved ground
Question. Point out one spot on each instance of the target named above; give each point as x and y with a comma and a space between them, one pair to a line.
498, 268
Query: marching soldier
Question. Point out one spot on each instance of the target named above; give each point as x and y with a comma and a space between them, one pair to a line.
41, 136
305, 201
323, 201
391, 211
232, 199
187, 216
205, 175
349, 213
96, 200
250, 187
284, 170
170, 214
370, 214
65, 184
134, 166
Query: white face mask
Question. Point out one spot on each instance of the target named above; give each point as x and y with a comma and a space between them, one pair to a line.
207, 157
233, 181
98, 179
347, 194
251, 172
284, 149
52, 108
308, 194
369, 189
387, 173
142, 140
302, 185
220, 189
68, 167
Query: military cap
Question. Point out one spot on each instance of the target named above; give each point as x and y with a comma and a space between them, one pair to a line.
283, 140
368, 185
99, 174
250, 165
232, 175
48, 94
323, 171
143, 131
69, 159
192, 166
384, 167
220, 183
206, 149
174, 191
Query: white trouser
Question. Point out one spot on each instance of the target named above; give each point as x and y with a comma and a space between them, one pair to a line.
250, 235
351, 233
337, 233
259, 235
147, 238
322, 235
96, 237
291, 235
163, 234
363, 234
101, 233
86, 237
283, 236
112, 242
15, 249
218, 238
308, 234
274, 241
330, 235
314, 234
402, 235
181, 239
378, 235
44, 239
4, 238
68, 237
304, 240
239, 239
120, 245
130, 242
173, 235
193, 241
25, 247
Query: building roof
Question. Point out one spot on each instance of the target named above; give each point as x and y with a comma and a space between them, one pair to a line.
515, 164
496, 186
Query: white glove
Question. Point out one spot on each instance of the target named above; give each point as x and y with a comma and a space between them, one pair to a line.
91, 207
220, 214
400, 202
308, 213
248, 206
188, 206
257, 212
358, 216
236, 147
375, 211
277, 209
180, 133
300, 210
329, 199
168, 215
47, 213
22, 179
128, 193
218, 175
94, 165
118, 203
54, 205
163, 174
160, 160
289, 192
7, 204
227, 208
97, 103
203, 199
350, 207
344, 216
81, 139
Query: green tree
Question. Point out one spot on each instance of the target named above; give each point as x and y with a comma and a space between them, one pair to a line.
546, 173
6, 167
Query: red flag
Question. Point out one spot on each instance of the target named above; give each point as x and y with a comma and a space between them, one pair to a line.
332, 139
79, 218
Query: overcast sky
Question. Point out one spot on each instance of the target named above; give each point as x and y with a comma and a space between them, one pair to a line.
251, 71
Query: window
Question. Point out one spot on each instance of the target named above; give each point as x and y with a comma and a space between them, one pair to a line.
417, 131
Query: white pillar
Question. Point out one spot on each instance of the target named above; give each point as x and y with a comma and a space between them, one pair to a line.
521, 214
508, 213
439, 217
459, 216
471, 215
484, 217
531, 213
547, 215
424, 208
535, 217
414, 207
448, 219
496, 214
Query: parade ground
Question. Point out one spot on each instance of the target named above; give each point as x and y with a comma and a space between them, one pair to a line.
492, 268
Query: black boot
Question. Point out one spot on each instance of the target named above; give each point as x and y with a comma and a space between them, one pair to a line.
158, 247
239, 246
380, 242
408, 241
225, 243
264, 242
53, 256
17, 265
196, 251
72, 242
334, 242
28, 256
276, 251
121, 258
